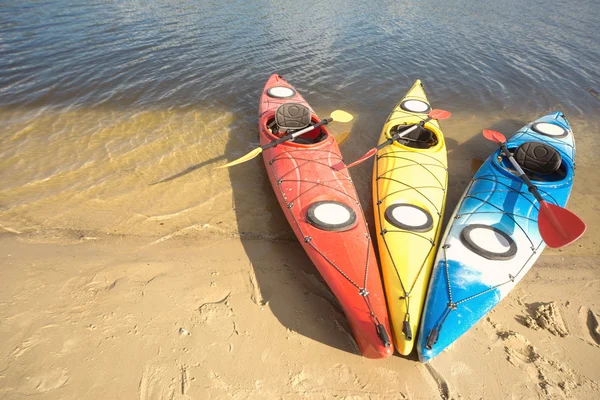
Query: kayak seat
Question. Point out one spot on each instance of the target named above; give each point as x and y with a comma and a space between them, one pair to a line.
419, 138
292, 116
538, 158
311, 137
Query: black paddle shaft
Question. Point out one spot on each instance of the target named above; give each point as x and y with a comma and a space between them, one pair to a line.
399, 135
296, 134
530, 186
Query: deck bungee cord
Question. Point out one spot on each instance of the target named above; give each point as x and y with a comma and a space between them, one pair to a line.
319, 200
394, 153
409, 190
361, 290
502, 223
452, 305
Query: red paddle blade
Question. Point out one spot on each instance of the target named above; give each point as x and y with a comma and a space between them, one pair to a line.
559, 226
369, 154
494, 136
439, 114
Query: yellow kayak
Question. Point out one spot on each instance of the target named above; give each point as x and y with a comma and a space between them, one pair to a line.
409, 192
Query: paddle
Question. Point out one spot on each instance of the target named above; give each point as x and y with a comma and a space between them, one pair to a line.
557, 225
434, 114
337, 115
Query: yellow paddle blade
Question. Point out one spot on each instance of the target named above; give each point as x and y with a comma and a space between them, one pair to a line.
341, 116
242, 159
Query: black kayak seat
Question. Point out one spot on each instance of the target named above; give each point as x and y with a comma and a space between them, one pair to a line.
292, 116
538, 158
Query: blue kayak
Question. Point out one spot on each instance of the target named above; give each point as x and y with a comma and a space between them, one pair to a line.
492, 239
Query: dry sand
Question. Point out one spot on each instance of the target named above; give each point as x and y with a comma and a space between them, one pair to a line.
118, 319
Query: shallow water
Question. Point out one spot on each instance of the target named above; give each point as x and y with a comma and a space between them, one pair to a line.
113, 114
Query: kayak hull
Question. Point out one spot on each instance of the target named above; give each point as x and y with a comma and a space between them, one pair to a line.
303, 175
492, 239
404, 175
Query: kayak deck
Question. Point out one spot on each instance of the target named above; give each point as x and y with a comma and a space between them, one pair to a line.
491, 242
316, 193
409, 192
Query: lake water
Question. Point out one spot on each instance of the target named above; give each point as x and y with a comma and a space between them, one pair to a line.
113, 114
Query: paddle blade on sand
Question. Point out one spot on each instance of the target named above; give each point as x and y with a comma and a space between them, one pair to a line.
558, 226
242, 159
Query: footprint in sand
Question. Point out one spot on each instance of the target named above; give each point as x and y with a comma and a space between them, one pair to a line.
545, 316
217, 317
27, 344
45, 381
214, 311
554, 378
156, 383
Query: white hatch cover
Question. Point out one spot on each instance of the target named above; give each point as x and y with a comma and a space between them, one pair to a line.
331, 216
416, 106
488, 242
409, 217
549, 129
281, 92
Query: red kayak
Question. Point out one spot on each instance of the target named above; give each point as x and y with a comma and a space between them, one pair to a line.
322, 207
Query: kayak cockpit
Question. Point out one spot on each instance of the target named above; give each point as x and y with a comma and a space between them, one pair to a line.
541, 163
419, 138
294, 117
315, 136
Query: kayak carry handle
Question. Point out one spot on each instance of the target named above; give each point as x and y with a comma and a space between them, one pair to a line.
406, 330
383, 335
432, 338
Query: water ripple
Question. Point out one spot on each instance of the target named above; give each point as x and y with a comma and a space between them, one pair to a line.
107, 97
481, 55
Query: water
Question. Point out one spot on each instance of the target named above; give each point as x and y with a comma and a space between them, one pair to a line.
114, 113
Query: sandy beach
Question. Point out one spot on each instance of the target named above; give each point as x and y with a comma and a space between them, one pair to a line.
168, 282
132, 268
117, 319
